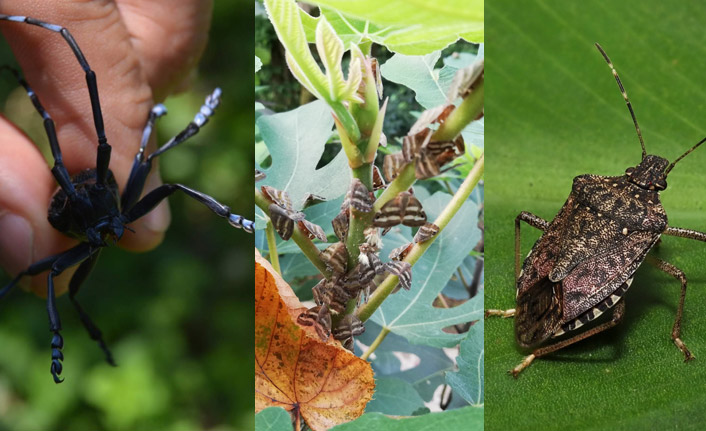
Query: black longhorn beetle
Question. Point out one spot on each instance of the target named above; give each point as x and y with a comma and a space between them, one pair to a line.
87, 206
585, 259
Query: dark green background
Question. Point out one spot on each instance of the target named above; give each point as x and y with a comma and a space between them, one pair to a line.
553, 112
179, 318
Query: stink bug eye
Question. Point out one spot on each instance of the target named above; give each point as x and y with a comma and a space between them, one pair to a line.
587, 256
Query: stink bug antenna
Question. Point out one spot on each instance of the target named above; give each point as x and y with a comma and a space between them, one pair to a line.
669, 168
625, 96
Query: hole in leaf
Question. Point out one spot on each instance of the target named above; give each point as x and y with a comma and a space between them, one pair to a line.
331, 150
458, 328
407, 360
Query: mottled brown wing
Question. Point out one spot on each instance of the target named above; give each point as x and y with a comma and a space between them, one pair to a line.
312, 230
414, 214
538, 310
281, 221
401, 252
595, 278
538, 313
279, 197
542, 258
426, 232
392, 164
335, 257
340, 224
606, 211
360, 197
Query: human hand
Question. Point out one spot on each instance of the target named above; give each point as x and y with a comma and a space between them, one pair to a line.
141, 52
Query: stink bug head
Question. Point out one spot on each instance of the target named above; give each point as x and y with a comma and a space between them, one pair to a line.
649, 174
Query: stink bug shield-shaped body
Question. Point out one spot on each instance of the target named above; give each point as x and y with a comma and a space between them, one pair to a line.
585, 259
88, 205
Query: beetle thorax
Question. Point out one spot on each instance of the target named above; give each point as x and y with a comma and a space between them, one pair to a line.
649, 174
94, 215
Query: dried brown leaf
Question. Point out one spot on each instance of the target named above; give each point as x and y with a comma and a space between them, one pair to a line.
319, 381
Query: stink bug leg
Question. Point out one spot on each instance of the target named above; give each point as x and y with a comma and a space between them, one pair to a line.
587, 256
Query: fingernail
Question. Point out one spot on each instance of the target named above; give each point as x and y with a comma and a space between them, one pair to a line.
16, 240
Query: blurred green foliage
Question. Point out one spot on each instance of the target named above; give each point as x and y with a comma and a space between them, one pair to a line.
178, 318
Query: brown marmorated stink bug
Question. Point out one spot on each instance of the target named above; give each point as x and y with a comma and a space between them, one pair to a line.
586, 257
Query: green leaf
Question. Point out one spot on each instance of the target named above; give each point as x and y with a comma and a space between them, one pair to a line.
413, 28
330, 49
468, 381
416, 72
425, 377
466, 419
295, 140
394, 397
410, 313
285, 18
273, 419
557, 113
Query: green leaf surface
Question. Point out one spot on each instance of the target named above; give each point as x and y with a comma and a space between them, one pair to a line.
296, 139
468, 381
394, 397
410, 313
557, 113
409, 27
431, 85
430, 363
466, 419
273, 419
285, 18
417, 72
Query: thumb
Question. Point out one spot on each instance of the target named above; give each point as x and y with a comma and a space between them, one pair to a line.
26, 187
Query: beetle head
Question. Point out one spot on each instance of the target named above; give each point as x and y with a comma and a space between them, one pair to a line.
650, 174
117, 229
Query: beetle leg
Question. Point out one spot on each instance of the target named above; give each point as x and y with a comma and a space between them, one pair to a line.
679, 275
59, 170
103, 159
34, 269
147, 203
532, 220
141, 167
618, 313
200, 119
76, 280
63, 261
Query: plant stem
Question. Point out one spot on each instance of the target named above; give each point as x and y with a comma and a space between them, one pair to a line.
383, 291
305, 244
359, 221
355, 157
404, 181
467, 111
272, 246
381, 336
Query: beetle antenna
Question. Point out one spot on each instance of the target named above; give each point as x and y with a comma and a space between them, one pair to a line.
625, 96
669, 168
